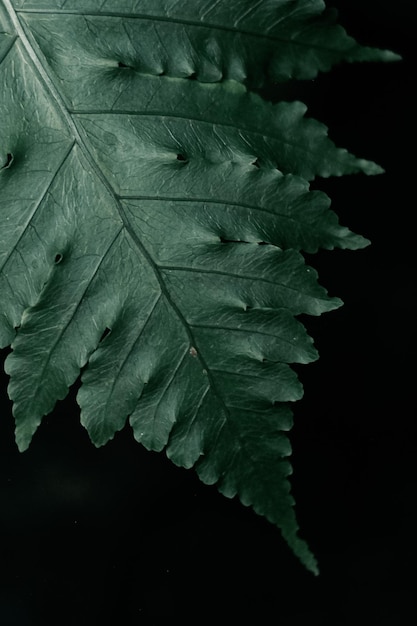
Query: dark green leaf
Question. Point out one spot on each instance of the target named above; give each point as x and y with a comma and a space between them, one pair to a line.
139, 177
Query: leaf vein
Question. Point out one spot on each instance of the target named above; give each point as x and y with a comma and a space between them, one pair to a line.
184, 22
8, 49
199, 405
132, 347
240, 330
238, 374
173, 375
238, 205
179, 268
214, 125
62, 330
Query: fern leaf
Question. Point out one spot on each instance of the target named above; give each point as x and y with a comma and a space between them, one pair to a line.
139, 178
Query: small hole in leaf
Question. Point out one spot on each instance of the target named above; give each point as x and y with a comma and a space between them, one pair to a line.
106, 332
9, 161
181, 157
256, 164
224, 240
124, 66
58, 258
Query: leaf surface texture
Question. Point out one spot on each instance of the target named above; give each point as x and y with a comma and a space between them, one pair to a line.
140, 177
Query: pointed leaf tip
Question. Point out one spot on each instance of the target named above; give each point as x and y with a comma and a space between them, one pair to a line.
370, 168
392, 56
303, 552
378, 54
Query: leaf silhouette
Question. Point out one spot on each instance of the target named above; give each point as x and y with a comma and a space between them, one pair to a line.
141, 174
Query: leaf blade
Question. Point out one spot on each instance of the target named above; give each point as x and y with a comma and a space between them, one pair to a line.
149, 199
294, 39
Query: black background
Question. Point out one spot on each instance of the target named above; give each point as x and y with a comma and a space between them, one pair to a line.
120, 534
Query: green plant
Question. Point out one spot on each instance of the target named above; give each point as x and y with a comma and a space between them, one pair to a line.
154, 210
